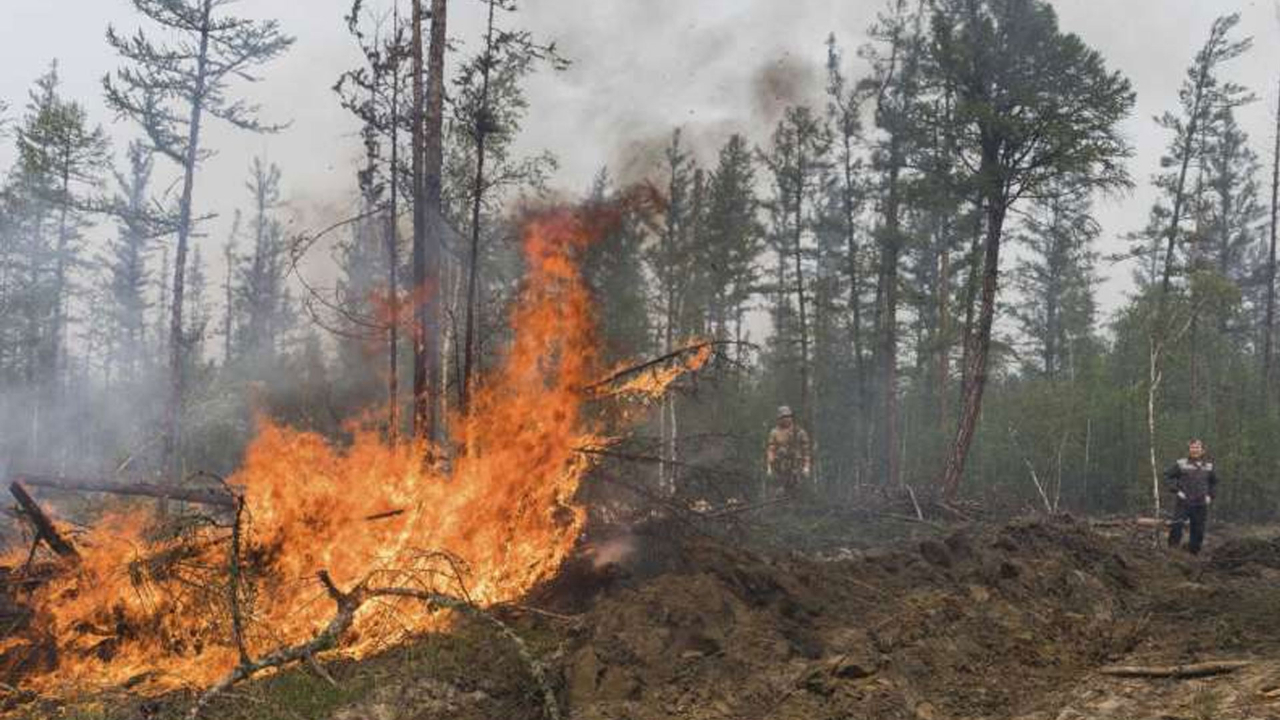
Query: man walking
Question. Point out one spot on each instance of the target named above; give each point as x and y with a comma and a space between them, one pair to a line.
1193, 480
788, 458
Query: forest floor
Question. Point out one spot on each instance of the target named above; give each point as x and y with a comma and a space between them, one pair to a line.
801, 614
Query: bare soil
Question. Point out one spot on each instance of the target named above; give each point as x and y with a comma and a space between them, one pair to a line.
980, 621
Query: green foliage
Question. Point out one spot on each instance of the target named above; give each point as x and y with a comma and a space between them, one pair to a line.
262, 303
1033, 104
613, 266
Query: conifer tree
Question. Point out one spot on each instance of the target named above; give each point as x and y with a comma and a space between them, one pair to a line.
170, 85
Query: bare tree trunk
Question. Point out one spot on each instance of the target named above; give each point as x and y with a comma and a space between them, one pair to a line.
667, 424
162, 310
177, 339
393, 257
971, 298
977, 372
60, 278
427, 161
889, 318
943, 367
228, 253
1179, 193
855, 290
429, 269
1088, 446
421, 423
1160, 341
477, 198
1155, 375
1268, 343
800, 297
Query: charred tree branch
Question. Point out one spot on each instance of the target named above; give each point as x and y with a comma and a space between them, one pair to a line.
1176, 672
45, 529
199, 496
348, 604
233, 585
677, 354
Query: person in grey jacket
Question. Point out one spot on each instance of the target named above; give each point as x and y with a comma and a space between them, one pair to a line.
1193, 480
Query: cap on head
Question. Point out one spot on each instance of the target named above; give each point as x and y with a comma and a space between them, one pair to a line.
784, 411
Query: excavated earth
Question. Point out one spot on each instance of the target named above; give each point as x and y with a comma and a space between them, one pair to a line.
995, 622
981, 621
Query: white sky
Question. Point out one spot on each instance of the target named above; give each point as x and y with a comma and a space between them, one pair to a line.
640, 68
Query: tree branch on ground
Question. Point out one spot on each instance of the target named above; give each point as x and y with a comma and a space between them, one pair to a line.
347, 605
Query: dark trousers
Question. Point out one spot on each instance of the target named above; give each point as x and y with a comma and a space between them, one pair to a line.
1196, 515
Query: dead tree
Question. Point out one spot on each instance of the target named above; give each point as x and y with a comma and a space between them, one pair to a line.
45, 529
1203, 98
212, 497
1175, 672
1268, 342
483, 124
169, 91
348, 604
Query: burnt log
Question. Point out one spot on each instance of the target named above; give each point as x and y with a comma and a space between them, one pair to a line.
213, 497
45, 529
1176, 672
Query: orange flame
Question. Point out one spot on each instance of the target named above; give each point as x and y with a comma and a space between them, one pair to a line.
505, 510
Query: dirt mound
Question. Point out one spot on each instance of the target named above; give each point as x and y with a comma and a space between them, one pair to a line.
1242, 552
905, 632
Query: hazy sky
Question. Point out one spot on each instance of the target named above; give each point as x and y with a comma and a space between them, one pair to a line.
640, 68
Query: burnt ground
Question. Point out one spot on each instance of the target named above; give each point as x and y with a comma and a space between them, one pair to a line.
1009, 620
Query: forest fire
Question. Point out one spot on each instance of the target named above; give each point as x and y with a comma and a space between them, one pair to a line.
159, 614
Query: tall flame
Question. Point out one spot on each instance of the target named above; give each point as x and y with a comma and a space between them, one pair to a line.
505, 510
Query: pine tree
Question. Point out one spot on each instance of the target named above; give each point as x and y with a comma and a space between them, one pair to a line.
1203, 96
63, 159
169, 89
197, 311
26, 255
796, 160
489, 106
262, 303
375, 94
126, 264
1234, 214
844, 108
1014, 75
1203, 99
732, 238
1056, 277
670, 259
895, 83
613, 267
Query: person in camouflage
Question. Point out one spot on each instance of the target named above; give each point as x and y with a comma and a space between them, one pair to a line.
788, 457
1193, 480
